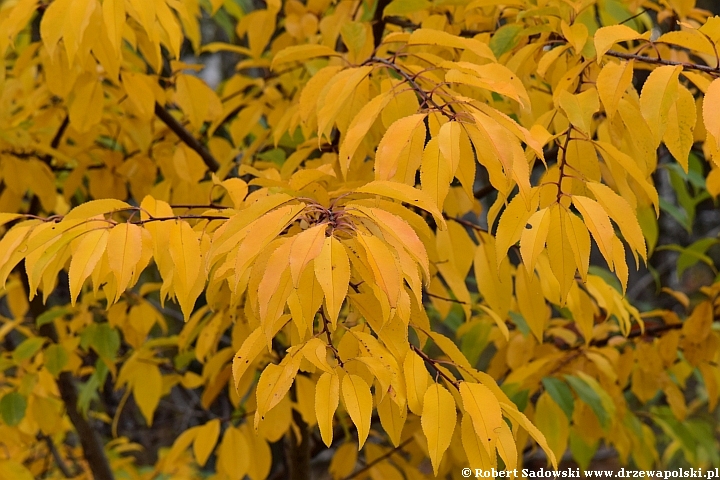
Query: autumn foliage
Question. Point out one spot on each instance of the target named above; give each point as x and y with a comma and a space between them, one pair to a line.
401, 230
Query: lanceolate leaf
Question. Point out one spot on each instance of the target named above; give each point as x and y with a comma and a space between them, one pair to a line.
438, 422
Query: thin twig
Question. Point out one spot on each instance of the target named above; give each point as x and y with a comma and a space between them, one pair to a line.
433, 364
661, 61
179, 217
466, 223
56, 455
379, 459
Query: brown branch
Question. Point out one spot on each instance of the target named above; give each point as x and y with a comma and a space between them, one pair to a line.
484, 192
648, 332
56, 455
433, 363
186, 137
466, 223
180, 217
440, 297
379, 459
661, 61
378, 22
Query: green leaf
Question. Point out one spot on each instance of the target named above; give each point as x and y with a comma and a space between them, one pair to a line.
12, 408
520, 322
88, 391
405, 7
56, 357
105, 340
505, 39
560, 393
27, 349
676, 213
586, 393
49, 315
474, 341
582, 452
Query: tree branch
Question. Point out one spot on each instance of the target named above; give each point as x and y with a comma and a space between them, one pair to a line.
378, 23
379, 459
660, 61
56, 455
186, 137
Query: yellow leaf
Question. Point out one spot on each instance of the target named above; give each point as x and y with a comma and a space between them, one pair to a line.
711, 114
691, 39
114, 20
506, 447
417, 380
681, 121
87, 255
622, 214
229, 462
562, 261
498, 321
124, 246
305, 247
426, 36
384, 266
313, 89
513, 223
94, 208
484, 410
274, 383
359, 128
392, 418
358, 403
315, 351
139, 90
438, 422
435, 173
300, 53
606, 37
185, 252
478, 457
397, 227
327, 396
659, 93
493, 76
533, 237
205, 440
598, 223
531, 302
147, 389
332, 270
630, 165
553, 423
405, 135
53, 22
522, 421
580, 109
576, 34
612, 82
86, 109
340, 89
196, 99
619, 263
579, 241
264, 230
249, 350
344, 461
494, 284
406, 194
449, 144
